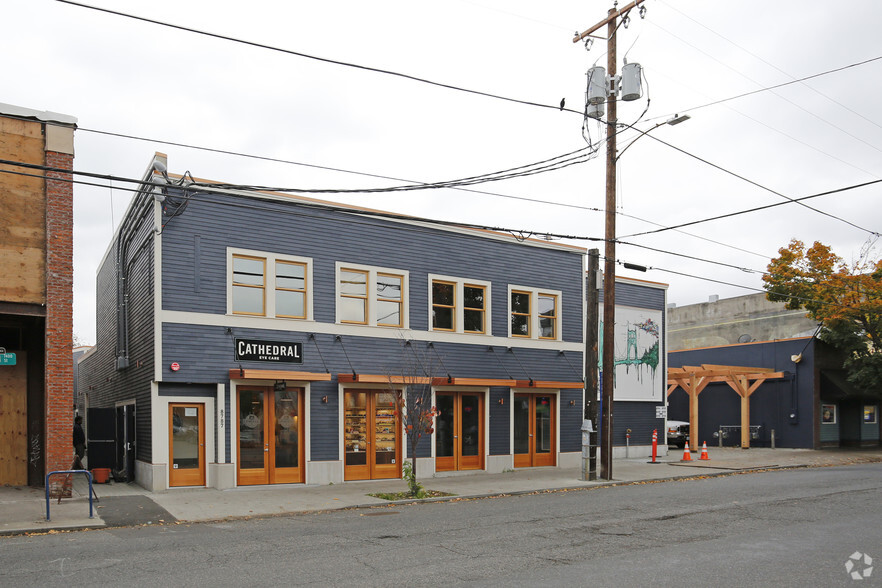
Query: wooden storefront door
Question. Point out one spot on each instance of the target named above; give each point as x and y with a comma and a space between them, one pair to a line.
186, 444
371, 435
14, 421
459, 431
534, 430
270, 434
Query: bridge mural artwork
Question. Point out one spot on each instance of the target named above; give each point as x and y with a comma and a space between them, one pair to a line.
637, 354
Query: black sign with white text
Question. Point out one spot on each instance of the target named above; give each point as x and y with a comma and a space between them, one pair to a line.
274, 351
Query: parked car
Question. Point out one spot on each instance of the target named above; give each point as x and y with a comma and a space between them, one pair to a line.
678, 433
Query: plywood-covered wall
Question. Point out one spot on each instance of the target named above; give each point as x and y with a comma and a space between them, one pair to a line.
23, 220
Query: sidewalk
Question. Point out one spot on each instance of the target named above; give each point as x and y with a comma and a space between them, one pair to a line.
23, 510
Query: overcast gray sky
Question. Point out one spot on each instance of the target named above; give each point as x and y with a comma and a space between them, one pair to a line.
118, 75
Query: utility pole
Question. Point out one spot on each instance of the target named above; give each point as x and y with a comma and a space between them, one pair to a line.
589, 469
609, 273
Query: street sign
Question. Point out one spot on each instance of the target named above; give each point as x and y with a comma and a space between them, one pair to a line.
7, 359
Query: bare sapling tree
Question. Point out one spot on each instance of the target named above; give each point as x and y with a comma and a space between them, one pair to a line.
411, 385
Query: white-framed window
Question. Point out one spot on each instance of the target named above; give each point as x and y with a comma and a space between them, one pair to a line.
272, 285
870, 415
374, 296
459, 305
534, 313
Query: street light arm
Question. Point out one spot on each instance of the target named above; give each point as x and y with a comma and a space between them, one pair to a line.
673, 121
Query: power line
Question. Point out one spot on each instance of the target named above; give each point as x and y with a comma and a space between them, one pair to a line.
758, 185
256, 202
768, 88
316, 58
772, 65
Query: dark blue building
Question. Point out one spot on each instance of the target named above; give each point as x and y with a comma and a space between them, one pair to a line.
253, 337
813, 406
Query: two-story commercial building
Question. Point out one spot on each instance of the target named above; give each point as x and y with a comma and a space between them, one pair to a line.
249, 337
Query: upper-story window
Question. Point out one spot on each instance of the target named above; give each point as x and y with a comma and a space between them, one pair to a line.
474, 300
443, 305
534, 314
520, 313
373, 296
249, 281
269, 284
353, 307
390, 297
290, 289
547, 316
459, 305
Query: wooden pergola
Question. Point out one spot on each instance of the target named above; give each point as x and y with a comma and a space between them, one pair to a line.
744, 380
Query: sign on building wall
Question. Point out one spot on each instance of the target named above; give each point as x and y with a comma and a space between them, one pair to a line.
273, 351
638, 362
6, 358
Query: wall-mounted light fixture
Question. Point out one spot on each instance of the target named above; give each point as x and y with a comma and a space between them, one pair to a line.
324, 399
501, 400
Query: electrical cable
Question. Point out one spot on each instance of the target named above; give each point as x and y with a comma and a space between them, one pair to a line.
770, 88
367, 174
772, 65
740, 177
314, 57
258, 203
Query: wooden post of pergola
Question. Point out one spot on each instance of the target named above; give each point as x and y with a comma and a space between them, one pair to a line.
744, 380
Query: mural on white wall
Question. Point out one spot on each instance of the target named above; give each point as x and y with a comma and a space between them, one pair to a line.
637, 354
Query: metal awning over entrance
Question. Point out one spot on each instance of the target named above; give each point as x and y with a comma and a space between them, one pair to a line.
744, 380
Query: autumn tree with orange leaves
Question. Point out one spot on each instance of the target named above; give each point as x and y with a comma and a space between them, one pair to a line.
845, 298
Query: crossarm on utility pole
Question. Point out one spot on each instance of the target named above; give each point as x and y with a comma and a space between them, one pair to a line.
612, 16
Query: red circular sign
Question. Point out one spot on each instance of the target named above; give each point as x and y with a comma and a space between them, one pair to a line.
175, 366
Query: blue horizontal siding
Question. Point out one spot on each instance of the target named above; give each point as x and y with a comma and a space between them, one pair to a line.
328, 237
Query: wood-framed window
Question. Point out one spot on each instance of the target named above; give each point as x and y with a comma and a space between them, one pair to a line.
390, 295
372, 296
474, 301
520, 313
268, 284
534, 313
547, 309
290, 289
353, 296
443, 305
249, 285
459, 305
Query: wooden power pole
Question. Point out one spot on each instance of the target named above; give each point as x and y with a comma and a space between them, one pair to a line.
609, 273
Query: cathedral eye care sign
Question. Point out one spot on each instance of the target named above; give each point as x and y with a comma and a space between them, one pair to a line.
273, 351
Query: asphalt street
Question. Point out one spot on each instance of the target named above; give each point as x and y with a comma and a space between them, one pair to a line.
783, 528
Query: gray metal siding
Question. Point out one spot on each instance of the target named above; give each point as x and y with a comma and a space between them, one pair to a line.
98, 376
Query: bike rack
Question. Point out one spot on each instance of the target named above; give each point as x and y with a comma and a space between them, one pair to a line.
88, 476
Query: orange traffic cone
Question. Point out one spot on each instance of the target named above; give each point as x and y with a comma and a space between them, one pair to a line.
704, 451
686, 455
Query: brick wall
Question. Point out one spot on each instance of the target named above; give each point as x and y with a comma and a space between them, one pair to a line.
59, 313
